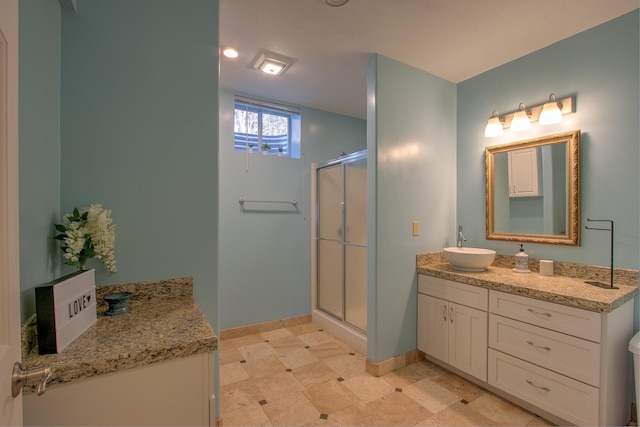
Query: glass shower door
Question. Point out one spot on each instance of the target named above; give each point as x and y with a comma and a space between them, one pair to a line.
342, 241
330, 295
355, 244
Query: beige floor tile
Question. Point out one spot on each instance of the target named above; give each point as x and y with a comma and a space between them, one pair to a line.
313, 373
330, 349
251, 415
257, 351
457, 414
297, 358
330, 396
396, 409
260, 391
458, 385
277, 386
316, 338
229, 356
346, 365
276, 334
428, 369
238, 395
432, 396
264, 367
402, 377
539, 422
287, 345
232, 373
241, 341
368, 388
355, 415
320, 422
304, 328
501, 411
296, 410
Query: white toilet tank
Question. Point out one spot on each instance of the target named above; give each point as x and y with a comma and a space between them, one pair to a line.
634, 347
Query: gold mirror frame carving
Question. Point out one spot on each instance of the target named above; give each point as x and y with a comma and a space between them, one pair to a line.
572, 238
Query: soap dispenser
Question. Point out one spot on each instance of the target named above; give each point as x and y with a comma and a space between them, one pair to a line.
522, 261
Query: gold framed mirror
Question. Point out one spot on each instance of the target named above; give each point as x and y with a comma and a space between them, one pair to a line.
533, 190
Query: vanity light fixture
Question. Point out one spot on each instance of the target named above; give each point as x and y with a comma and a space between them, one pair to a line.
551, 112
494, 126
520, 119
271, 62
548, 113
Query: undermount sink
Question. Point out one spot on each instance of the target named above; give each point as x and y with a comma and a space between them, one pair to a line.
469, 259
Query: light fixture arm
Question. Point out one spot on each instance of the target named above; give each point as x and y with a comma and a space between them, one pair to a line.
552, 98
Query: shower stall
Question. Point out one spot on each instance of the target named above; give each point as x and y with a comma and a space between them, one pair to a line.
339, 248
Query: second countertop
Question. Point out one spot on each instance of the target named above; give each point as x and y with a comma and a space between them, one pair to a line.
164, 323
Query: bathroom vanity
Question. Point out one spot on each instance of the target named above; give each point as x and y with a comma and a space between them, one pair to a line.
151, 366
553, 345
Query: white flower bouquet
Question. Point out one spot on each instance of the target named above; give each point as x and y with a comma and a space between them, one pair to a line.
89, 233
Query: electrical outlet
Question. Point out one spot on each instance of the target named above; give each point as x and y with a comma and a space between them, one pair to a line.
416, 228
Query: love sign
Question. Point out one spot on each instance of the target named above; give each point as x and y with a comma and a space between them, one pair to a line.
65, 308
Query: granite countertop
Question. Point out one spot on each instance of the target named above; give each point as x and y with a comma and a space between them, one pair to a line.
164, 323
567, 286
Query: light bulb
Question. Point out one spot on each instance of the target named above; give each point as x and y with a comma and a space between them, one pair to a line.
494, 126
551, 112
520, 119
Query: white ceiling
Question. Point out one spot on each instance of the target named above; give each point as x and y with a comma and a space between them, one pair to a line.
452, 39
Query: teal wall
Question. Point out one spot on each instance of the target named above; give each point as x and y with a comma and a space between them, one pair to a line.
140, 134
265, 265
411, 143
39, 147
119, 106
599, 67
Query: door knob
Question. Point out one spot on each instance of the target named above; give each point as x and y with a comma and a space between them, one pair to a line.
36, 376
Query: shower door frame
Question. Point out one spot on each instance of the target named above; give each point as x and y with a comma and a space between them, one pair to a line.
342, 162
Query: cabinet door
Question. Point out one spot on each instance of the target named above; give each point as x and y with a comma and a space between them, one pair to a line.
433, 336
523, 173
468, 340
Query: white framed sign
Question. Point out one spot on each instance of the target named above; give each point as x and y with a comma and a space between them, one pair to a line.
65, 308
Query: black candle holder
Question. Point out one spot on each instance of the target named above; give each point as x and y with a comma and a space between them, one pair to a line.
118, 303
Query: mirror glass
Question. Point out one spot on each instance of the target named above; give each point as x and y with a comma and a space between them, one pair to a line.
533, 192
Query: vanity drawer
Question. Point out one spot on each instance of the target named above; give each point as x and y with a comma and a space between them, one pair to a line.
471, 296
569, 320
568, 399
567, 355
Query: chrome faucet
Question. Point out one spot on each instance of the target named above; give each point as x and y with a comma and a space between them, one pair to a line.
461, 237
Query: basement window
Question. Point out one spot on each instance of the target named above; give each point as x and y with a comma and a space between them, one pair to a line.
266, 127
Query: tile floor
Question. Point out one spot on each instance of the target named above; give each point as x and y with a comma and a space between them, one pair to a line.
303, 376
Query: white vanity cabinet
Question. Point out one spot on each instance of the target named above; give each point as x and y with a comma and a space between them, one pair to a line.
452, 324
569, 362
170, 393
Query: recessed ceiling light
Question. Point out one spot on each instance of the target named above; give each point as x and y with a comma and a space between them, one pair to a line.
230, 52
271, 62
